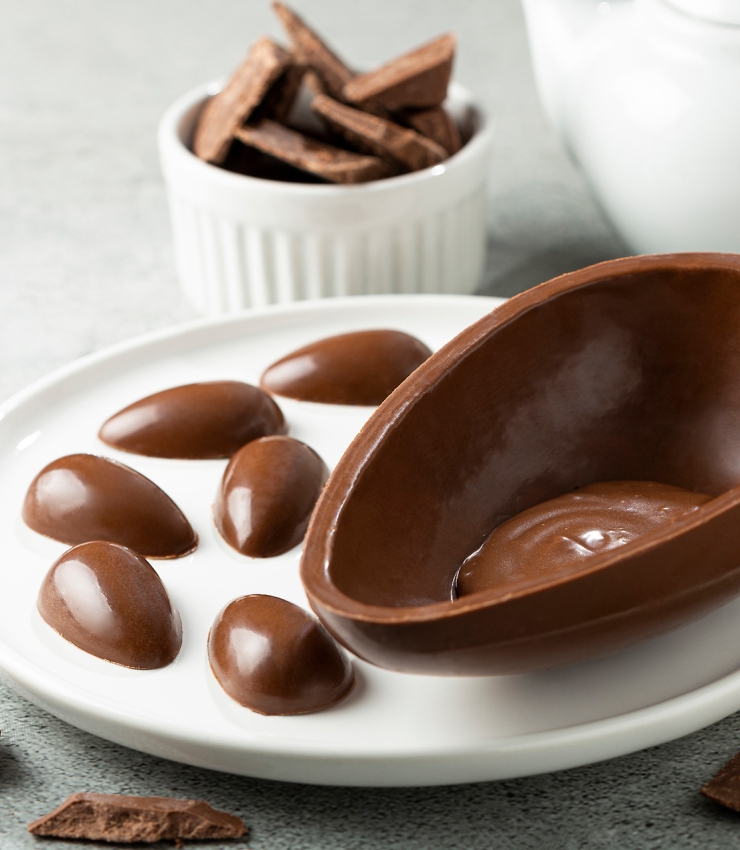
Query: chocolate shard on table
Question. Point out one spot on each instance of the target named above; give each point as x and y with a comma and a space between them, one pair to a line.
212, 419
128, 820
84, 497
314, 52
273, 657
376, 135
417, 80
316, 157
226, 111
724, 788
436, 124
358, 368
109, 601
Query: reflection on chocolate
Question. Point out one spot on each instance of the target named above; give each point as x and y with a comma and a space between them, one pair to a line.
84, 497
354, 368
275, 658
108, 601
556, 537
207, 420
267, 494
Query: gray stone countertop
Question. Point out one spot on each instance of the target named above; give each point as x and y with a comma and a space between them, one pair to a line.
86, 260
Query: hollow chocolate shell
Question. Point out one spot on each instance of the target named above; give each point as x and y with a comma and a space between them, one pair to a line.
628, 370
267, 494
81, 497
275, 658
363, 367
196, 421
108, 601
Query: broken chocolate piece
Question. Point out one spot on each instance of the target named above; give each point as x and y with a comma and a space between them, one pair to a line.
417, 79
226, 111
279, 100
724, 788
376, 135
312, 51
326, 161
115, 817
436, 124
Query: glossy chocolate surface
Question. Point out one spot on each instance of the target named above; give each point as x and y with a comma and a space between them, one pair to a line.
108, 601
363, 367
558, 536
84, 497
195, 421
267, 494
628, 370
275, 658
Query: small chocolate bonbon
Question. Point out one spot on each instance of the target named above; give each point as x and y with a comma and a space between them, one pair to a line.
273, 657
129, 820
212, 419
557, 536
83, 497
267, 494
109, 601
359, 368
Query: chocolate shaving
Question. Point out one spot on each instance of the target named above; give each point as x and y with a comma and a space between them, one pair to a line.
225, 112
312, 51
725, 787
114, 817
376, 135
417, 79
436, 124
326, 161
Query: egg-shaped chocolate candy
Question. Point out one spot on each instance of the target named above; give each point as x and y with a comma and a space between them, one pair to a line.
196, 421
267, 494
84, 497
275, 658
108, 601
363, 367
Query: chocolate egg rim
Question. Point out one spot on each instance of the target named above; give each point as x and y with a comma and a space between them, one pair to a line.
323, 593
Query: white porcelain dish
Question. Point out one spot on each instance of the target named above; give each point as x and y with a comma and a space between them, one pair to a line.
246, 242
394, 729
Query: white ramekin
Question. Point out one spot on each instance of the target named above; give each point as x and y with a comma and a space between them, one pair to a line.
246, 242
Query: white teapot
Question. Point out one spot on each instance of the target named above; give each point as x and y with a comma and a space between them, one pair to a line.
646, 96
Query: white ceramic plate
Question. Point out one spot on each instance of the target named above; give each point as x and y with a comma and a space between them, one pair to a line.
394, 729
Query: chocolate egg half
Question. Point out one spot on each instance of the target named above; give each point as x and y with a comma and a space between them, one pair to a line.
267, 494
84, 497
625, 371
195, 421
363, 367
275, 658
108, 601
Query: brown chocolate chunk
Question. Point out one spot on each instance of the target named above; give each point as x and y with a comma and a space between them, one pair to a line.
312, 51
279, 100
379, 136
417, 79
436, 124
724, 788
275, 658
115, 817
226, 111
110, 602
82, 497
298, 150
212, 419
363, 367
267, 494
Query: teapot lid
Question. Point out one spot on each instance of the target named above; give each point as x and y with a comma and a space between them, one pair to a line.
718, 11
